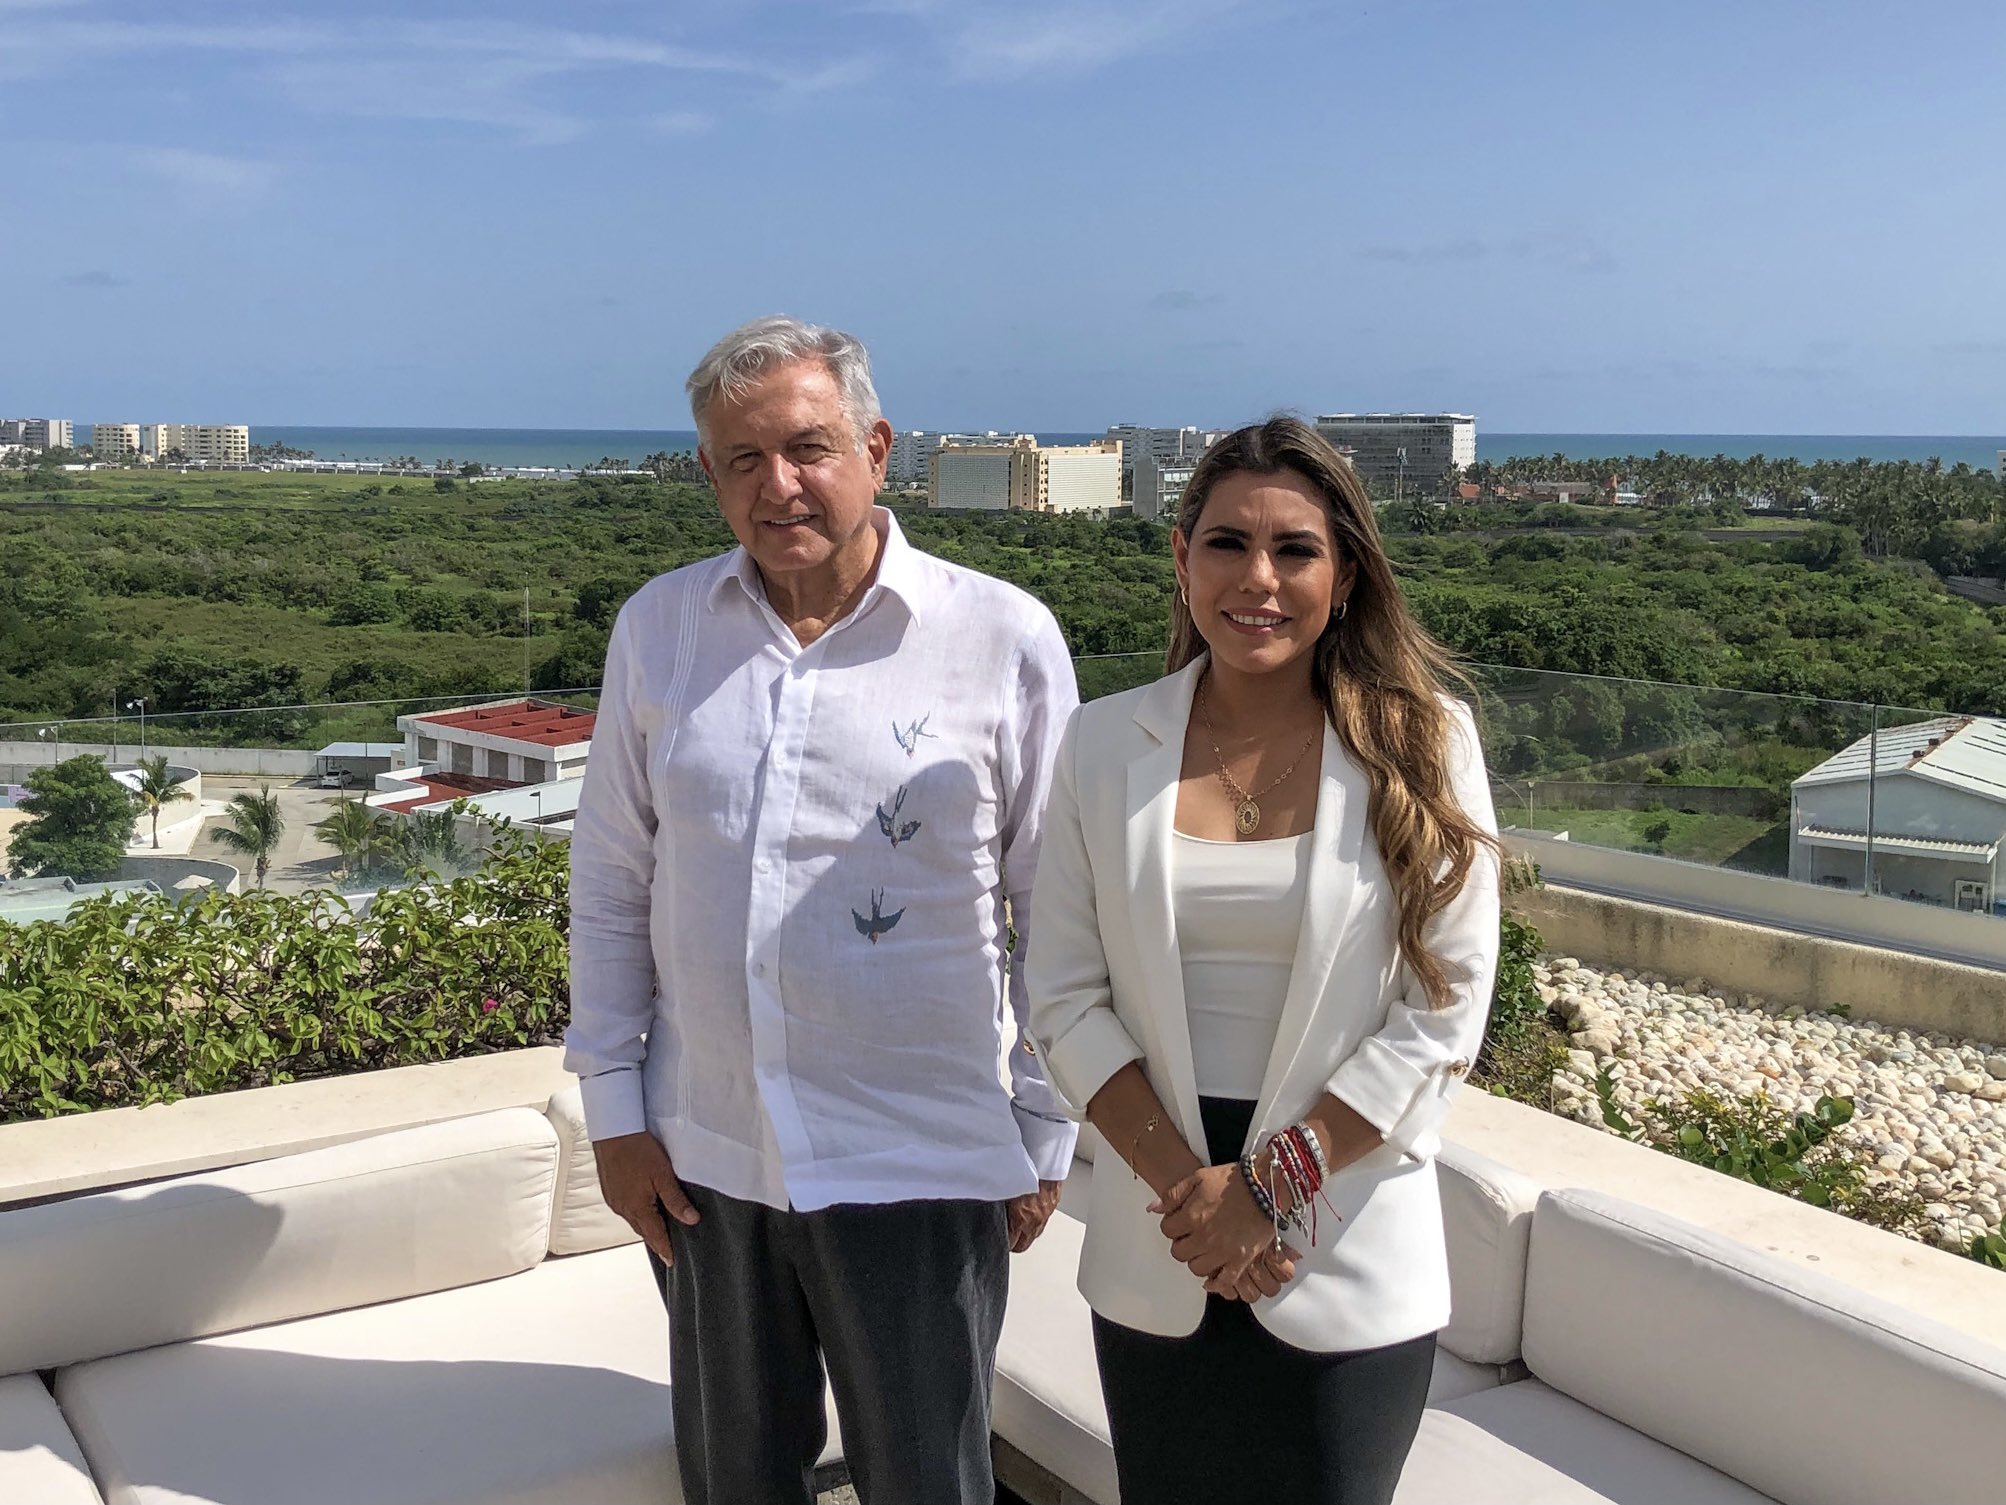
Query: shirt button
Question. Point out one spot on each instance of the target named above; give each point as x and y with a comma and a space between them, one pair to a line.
759, 969
762, 866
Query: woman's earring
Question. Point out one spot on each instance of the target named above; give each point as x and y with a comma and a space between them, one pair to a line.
1184, 596
1342, 608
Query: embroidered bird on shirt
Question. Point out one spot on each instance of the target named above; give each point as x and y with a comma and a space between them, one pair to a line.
908, 735
889, 823
879, 922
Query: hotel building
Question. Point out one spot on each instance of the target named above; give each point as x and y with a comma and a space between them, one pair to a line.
1417, 448
1021, 475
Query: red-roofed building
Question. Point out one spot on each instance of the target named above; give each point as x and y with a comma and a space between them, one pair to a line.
503, 743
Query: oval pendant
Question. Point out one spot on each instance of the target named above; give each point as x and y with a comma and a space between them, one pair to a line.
1248, 820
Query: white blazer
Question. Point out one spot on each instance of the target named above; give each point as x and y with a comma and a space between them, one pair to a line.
1106, 988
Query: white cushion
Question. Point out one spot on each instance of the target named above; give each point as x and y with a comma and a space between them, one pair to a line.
1487, 1221
371, 1220
1610, 1459
580, 1220
549, 1386
1456, 1462
1812, 1391
40, 1461
1048, 1403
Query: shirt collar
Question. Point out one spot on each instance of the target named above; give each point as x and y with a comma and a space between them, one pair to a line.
899, 570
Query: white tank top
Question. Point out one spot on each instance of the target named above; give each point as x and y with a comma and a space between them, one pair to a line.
1239, 911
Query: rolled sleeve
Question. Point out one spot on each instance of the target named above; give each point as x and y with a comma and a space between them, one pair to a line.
1072, 1018
1401, 1078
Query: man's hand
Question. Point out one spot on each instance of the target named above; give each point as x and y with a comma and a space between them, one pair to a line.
638, 1182
1030, 1213
1215, 1228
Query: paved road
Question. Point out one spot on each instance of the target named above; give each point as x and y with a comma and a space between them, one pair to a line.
303, 860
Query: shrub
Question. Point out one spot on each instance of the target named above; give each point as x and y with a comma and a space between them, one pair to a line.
1751, 1138
152, 1001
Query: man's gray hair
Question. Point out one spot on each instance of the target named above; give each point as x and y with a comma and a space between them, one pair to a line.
738, 360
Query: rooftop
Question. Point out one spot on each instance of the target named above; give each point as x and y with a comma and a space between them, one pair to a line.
1959, 752
442, 788
520, 720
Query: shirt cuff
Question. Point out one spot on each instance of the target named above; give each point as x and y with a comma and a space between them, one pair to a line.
1048, 1141
615, 1103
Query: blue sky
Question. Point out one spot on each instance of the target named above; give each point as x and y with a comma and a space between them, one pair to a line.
1701, 217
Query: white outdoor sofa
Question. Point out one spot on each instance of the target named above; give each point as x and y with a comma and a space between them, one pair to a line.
450, 1313
437, 1315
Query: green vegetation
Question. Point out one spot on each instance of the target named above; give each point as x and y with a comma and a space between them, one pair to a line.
1802, 1155
271, 590
79, 820
155, 1000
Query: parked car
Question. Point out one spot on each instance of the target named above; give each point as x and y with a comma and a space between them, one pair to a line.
336, 778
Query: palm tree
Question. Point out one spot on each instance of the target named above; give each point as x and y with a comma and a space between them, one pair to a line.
430, 842
358, 833
252, 826
157, 787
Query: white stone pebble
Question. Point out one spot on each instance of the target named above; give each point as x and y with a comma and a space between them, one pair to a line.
1930, 1110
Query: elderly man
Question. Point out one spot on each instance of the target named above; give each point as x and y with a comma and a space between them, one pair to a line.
819, 770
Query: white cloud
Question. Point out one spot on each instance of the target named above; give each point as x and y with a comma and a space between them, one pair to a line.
203, 172
1006, 39
684, 123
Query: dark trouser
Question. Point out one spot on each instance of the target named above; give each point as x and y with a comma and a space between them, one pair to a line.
1232, 1413
904, 1303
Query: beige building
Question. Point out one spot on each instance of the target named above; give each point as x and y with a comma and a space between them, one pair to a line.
200, 443
115, 442
1026, 477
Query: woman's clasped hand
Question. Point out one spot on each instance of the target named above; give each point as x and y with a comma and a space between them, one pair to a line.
1222, 1236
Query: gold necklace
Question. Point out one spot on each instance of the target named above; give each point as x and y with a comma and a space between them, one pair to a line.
1246, 807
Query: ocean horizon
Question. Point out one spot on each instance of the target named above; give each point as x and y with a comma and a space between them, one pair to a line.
570, 448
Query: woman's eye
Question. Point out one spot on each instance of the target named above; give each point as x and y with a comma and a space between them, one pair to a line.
1232, 544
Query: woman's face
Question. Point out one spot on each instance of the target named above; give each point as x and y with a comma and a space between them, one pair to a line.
1262, 572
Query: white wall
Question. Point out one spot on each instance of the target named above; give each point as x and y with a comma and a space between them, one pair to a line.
1925, 929
271, 762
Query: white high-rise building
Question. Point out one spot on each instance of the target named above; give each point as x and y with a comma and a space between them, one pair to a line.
1158, 486
38, 433
1414, 448
115, 442
910, 464
1168, 446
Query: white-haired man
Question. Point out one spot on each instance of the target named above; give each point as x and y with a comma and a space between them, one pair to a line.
818, 773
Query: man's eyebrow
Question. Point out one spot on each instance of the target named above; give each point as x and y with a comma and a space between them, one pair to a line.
819, 434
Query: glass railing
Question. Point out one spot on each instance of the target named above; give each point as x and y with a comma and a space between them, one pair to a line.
1776, 785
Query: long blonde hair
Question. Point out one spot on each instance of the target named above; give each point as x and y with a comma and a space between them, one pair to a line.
1380, 677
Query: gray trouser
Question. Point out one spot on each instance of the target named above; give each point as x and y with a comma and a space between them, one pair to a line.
904, 1303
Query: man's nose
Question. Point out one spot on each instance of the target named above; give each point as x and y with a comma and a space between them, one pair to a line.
780, 479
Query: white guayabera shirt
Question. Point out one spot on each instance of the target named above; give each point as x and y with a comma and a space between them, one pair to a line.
788, 877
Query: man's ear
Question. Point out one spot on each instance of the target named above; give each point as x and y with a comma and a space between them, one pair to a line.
878, 444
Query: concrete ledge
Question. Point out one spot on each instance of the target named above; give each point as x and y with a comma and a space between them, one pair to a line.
1944, 1287
54, 1157
1889, 987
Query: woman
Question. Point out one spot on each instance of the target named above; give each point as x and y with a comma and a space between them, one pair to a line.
1266, 924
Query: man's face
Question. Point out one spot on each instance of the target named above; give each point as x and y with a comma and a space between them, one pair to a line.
791, 480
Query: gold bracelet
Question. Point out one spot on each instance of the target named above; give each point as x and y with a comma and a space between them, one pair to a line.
1135, 1145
